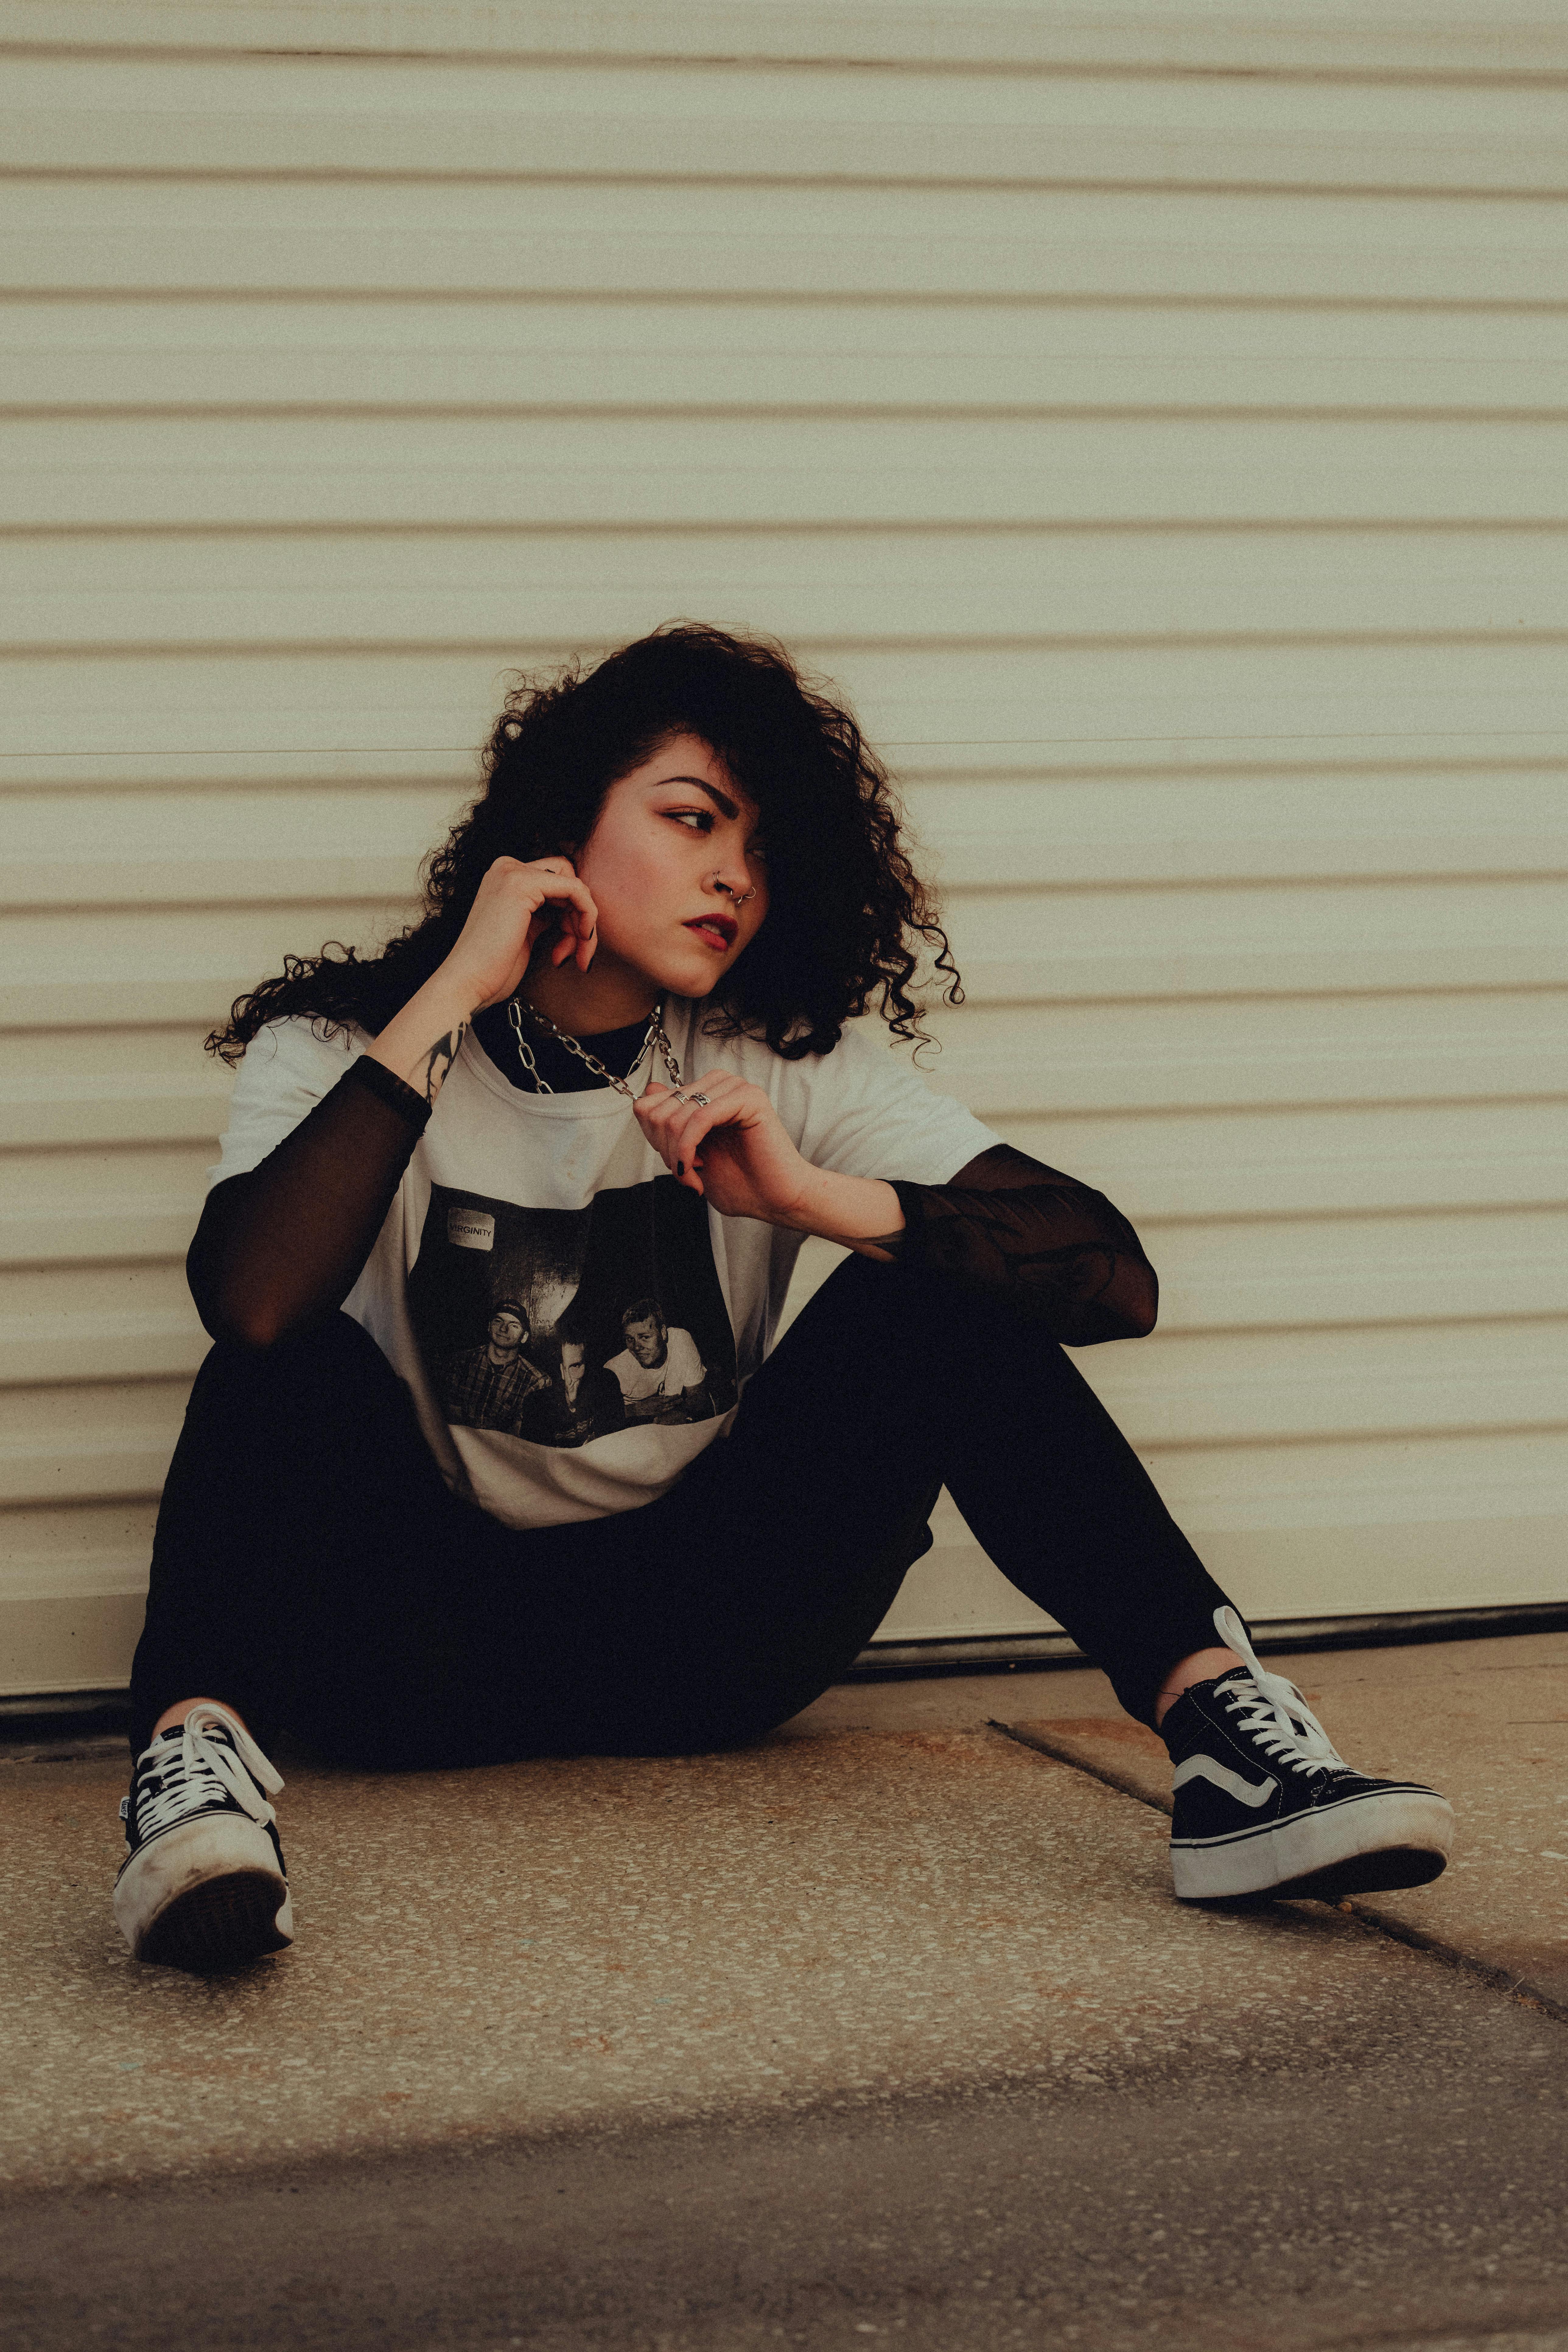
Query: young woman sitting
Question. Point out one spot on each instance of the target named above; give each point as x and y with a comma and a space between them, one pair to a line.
495, 1454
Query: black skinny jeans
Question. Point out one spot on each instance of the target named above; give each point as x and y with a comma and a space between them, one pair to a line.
311, 1569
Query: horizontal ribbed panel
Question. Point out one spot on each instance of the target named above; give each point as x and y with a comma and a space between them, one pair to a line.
168, 236
1153, 419
1424, 37
637, 356
163, 473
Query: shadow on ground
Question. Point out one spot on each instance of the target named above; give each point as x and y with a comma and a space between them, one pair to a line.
1405, 2187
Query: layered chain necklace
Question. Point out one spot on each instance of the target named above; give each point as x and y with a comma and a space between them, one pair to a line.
518, 1005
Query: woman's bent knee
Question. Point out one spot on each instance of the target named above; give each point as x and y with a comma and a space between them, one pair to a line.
326, 1359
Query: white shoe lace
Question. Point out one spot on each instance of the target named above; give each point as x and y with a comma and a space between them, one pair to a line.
202, 1770
1274, 1713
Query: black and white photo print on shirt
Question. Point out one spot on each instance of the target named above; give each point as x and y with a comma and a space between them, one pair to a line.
560, 1326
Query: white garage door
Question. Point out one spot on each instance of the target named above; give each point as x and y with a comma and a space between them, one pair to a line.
1154, 418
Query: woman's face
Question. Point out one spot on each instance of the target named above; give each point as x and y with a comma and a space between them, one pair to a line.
677, 870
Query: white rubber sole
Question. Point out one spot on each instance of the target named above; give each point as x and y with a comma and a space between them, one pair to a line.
1400, 1837
207, 1895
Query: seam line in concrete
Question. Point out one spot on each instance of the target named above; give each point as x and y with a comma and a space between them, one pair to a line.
1398, 1931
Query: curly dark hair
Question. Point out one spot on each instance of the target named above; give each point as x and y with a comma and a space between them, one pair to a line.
847, 912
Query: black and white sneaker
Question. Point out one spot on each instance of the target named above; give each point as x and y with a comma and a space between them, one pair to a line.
1265, 1806
203, 1884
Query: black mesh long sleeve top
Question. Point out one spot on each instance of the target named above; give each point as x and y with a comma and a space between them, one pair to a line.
284, 1243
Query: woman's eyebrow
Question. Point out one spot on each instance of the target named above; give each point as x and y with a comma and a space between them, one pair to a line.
721, 801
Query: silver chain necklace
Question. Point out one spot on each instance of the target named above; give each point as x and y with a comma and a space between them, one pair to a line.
516, 1006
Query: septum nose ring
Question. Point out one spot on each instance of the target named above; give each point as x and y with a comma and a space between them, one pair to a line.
730, 893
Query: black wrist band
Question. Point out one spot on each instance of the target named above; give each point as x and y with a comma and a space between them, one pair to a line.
394, 1091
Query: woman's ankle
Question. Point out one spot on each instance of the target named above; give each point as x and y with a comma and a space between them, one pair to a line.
173, 1717
1202, 1666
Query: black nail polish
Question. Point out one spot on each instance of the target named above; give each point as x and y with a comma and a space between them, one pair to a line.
681, 1166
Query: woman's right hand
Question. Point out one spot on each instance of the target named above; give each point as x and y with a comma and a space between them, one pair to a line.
516, 905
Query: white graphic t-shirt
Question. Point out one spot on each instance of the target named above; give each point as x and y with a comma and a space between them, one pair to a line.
573, 1325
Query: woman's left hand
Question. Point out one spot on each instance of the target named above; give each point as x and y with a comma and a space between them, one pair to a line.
729, 1147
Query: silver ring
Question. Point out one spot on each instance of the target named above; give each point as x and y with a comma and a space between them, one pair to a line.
679, 1097
698, 1102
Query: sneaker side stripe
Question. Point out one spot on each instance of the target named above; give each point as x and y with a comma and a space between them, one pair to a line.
1204, 1768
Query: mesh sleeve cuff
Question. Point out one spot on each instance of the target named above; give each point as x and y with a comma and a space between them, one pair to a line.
392, 1090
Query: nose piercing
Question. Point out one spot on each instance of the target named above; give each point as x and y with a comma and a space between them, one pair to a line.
730, 894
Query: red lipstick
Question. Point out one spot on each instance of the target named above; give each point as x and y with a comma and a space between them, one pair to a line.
718, 930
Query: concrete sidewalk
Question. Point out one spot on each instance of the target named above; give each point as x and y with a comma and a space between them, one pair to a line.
893, 1915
